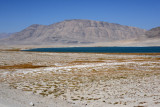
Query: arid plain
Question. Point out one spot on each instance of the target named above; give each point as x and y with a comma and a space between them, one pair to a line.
44, 79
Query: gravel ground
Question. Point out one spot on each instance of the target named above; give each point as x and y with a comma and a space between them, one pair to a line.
79, 80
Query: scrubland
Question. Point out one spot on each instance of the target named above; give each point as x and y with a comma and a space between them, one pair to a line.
84, 79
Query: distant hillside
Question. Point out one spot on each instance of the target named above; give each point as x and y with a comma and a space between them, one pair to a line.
153, 33
74, 32
4, 35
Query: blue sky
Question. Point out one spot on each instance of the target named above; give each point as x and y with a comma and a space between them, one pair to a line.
15, 15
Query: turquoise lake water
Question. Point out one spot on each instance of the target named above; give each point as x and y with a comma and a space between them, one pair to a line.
100, 49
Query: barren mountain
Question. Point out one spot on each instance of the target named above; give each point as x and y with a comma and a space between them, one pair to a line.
74, 32
153, 33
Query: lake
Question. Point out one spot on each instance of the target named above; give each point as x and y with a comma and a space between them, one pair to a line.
100, 49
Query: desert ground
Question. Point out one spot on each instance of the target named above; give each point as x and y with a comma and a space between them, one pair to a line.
44, 79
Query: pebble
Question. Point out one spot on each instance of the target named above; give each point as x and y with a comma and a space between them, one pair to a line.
31, 103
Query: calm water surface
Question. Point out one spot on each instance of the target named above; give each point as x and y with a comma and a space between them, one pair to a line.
100, 49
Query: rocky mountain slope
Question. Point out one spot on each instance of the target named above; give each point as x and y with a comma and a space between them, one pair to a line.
74, 32
153, 33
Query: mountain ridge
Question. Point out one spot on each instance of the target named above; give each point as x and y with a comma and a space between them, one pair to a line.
75, 31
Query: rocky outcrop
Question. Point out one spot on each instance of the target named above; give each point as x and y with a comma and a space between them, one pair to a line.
74, 32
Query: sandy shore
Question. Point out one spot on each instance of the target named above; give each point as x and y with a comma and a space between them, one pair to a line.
78, 79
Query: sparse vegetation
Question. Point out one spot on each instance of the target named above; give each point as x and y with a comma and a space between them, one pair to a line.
21, 66
88, 83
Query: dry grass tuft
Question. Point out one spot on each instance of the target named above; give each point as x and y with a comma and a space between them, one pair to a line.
14, 49
21, 66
